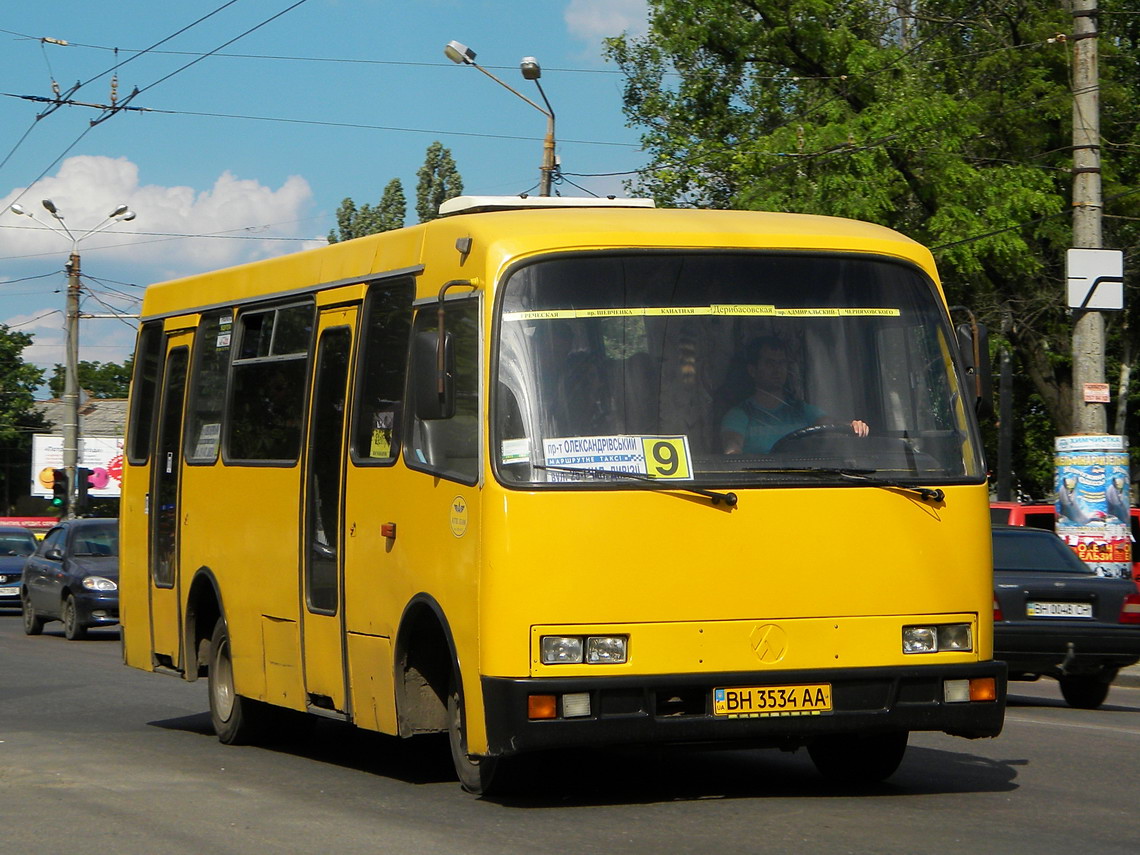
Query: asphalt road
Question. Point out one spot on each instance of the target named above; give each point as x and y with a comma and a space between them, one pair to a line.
97, 757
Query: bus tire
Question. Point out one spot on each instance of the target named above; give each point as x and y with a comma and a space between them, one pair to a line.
853, 758
476, 775
237, 720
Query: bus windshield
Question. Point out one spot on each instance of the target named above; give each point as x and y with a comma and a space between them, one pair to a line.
730, 368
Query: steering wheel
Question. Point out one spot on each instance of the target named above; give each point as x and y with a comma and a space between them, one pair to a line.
812, 430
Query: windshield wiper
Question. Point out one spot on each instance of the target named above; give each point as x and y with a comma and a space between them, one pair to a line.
729, 499
862, 476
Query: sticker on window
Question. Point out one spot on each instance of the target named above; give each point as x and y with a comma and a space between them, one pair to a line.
664, 457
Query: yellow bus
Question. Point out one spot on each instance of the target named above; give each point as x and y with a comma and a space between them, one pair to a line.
548, 473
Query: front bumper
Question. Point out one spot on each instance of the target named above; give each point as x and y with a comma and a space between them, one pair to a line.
678, 708
97, 608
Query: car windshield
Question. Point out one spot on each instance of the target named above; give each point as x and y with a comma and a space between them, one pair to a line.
17, 544
1026, 550
727, 368
101, 541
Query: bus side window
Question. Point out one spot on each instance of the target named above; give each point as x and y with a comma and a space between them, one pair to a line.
144, 384
450, 447
380, 371
267, 394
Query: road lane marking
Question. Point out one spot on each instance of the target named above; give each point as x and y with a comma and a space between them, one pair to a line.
1131, 731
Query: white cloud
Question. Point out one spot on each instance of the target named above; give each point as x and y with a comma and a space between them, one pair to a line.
144, 250
87, 188
594, 20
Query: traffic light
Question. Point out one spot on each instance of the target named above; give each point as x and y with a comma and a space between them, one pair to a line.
59, 490
82, 482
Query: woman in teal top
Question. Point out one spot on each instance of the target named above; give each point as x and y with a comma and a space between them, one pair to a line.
759, 422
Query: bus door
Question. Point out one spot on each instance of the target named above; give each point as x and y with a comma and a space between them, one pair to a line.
163, 520
322, 605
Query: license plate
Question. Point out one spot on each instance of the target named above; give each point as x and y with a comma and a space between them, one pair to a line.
9, 592
1060, 610
756, 701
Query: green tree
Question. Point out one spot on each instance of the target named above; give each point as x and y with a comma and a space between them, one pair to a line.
947, 120
98, 379
439, 180
389, 214
393, 207
19, 418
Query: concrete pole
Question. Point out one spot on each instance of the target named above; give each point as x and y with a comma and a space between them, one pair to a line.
71, 385
1088, 326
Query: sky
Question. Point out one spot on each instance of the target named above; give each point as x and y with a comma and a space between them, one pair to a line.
254, 120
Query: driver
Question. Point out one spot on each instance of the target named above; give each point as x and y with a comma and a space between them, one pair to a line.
771, 413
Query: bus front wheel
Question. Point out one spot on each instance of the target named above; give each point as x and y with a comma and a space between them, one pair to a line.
236, 720
476, 775
852, 758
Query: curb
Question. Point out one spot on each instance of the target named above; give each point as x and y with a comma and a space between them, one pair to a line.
1128, 677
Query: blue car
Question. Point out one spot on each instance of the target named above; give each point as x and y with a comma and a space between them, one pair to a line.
73, 577
16, 544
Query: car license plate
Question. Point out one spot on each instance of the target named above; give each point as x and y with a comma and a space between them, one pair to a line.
9, 592
756, 701
1060, 610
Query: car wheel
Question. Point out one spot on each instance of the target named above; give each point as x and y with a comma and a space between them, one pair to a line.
237, 720
73, 628
33, 623
851, 758
478, 776
1084, 691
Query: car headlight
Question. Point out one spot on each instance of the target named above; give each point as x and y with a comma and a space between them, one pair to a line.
99, 583
938, 638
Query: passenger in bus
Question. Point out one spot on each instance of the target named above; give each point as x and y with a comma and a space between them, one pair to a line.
772, 412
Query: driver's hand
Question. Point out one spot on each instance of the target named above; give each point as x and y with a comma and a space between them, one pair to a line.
860, 428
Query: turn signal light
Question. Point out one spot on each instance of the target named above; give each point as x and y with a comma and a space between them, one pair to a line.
542, 706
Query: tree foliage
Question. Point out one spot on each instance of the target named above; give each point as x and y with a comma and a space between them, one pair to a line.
949, 120
97, 379
388, 214
439, 180
19, 418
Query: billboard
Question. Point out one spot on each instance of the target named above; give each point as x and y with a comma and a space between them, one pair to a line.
1093, 501
103, 455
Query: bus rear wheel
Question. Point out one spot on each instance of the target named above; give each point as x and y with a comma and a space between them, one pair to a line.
237, 720
852, 758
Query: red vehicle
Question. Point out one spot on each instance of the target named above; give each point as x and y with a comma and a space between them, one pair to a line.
1042, 515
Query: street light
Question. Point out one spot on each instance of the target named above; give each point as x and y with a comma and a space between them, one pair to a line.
120, 214
460, 54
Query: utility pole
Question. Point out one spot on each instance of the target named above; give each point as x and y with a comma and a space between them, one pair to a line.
71, 385
1088, 326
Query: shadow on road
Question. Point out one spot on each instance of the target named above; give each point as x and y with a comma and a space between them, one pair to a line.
626, 775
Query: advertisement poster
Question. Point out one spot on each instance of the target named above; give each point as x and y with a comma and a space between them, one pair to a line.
1093, 501
103, 455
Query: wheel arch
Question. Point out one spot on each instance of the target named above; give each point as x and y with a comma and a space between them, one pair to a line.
426, 664
203, 608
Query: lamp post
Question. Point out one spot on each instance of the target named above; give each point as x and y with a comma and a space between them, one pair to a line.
120, 214
460, 54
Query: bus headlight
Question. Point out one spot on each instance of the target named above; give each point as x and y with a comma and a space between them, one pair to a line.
561, 649
940, 638
605, 649
592, 650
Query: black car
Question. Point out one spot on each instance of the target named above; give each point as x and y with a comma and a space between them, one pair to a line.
73, 577
1055, 617
16, 544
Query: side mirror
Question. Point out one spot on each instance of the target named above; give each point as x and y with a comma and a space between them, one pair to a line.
434, 391
974, 345
54, 554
